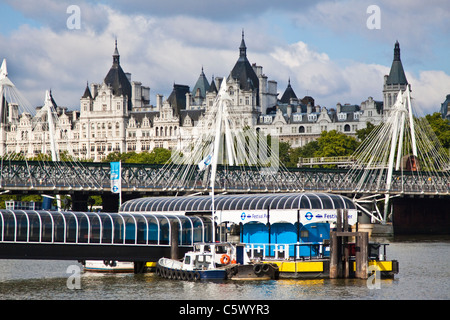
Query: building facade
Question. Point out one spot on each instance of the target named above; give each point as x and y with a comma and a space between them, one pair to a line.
116, 115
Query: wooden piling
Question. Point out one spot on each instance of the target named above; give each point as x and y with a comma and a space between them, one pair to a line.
174, 240
362, 251
340, 253
334, 256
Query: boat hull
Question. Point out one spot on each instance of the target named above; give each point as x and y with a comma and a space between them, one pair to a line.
258, 271
190, 275
115, 267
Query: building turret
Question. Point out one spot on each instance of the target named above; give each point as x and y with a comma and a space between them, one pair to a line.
395, 81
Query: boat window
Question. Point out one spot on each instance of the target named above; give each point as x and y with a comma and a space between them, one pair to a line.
221, 249
187, 260
203, 260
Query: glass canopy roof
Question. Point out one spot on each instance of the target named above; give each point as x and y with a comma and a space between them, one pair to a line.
239, 202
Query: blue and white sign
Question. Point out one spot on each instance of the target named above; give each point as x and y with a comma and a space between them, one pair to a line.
116, 181
310, 216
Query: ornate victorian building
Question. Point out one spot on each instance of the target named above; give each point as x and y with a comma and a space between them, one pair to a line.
116, 115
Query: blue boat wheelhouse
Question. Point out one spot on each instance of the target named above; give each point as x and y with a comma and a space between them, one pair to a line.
268, 223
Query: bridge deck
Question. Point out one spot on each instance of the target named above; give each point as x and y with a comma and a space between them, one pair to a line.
36, 177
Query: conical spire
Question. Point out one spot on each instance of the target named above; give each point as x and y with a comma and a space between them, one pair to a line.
212, 87
243, 47
397, 73
201, 86
117, 79
116, 55
397, 51
87, 92
243, 71
288, 93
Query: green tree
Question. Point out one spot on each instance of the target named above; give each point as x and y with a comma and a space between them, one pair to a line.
307, 151
365, 132
441, 128
335, 144
156, 156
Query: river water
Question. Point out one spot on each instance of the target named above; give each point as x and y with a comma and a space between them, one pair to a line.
423, 262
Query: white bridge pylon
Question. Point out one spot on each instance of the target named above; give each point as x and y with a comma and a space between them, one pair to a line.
246, 156
45, 127
402, 154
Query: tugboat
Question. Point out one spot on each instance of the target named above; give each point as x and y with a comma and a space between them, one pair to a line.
215, 261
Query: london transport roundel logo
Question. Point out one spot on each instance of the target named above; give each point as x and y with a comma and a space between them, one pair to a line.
243, 215
115, 189
308, 216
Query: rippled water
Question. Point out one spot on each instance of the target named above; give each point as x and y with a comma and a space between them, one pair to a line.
424, 274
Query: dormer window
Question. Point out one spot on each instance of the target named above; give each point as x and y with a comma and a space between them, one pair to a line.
342, 116
267, 119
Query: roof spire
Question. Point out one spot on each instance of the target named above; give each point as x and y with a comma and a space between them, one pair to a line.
397, 73
397, 51
243, 47
116, 56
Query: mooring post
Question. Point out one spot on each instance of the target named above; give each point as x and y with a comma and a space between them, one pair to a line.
334, 255
339, 220
346, 264
364, 254
336, 248
174, 240
362, 259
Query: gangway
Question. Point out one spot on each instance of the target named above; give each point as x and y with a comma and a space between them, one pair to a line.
67, 235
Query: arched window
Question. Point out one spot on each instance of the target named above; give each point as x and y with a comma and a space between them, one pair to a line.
347, 128
301, 129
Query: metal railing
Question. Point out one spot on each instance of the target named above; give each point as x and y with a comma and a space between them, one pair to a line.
291, 251
49, 177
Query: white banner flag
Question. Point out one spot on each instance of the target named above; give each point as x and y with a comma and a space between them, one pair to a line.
116, 175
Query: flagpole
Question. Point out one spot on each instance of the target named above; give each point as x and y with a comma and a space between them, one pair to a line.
120, 179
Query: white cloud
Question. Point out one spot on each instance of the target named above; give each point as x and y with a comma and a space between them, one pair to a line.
159, 51
429, 90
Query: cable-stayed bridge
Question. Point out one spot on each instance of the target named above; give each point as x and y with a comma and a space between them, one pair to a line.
54, 177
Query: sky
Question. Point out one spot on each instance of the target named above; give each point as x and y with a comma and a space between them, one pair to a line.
334, 51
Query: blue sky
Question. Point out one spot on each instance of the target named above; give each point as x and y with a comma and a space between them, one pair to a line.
323, 46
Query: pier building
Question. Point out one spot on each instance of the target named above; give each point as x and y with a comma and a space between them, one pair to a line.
260, 219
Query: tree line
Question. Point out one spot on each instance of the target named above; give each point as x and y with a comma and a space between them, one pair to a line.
329, 144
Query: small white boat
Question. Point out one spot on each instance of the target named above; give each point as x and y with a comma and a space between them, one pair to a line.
108, 266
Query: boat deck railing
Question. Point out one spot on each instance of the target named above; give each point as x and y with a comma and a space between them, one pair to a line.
288, 251
306, 250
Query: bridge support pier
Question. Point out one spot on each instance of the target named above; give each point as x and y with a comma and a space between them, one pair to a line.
421, 215
139, 267
80, 202
110, 202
